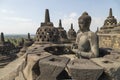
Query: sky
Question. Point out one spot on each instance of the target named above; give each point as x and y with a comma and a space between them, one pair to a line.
23, 16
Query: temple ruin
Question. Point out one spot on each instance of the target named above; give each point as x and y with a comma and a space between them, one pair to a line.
62, 33
54, 53
71, 33
47, 32
109, 33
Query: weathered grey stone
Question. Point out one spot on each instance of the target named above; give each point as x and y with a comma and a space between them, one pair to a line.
6, 47
109, 33
109, 41
86, 45
62, 32
20, 76
32, 59
37, 48
114, 57
72, 33
51, 67
10, 71
109, 23
111, 68
47, 33
83, 69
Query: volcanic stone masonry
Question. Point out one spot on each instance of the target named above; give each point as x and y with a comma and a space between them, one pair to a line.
62, 33
109, 33
47, 32
71, 33
41, 60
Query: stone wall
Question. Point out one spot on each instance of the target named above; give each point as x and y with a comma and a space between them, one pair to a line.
11, 71
39, 64
109, 41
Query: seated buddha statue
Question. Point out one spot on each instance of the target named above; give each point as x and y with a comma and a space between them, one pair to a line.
86, 45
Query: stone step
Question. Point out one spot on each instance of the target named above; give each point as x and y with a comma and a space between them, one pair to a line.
111, 68
51, 67
83, 69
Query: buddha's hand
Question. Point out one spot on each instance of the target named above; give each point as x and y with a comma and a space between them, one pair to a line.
74, 46
77, 53
75, 50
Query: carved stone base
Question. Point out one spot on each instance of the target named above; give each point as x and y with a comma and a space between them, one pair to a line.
83, 69
51, 67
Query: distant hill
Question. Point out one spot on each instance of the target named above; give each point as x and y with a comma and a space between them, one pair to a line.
14, 36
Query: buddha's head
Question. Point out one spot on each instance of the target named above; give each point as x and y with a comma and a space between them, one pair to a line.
84, 22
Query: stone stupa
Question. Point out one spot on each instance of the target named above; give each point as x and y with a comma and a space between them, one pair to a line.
109, 24
47, 33
62, 33
72, 33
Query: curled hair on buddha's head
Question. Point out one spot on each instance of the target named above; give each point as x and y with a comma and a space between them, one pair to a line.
86, 18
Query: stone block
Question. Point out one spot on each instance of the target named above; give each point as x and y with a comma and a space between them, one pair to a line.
10, 71
111, 68
32, 59
20, 76
83, 69
35, 50
51, 67
114, 57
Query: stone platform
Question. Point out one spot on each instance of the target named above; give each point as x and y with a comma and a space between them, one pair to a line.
83, 69
39, 64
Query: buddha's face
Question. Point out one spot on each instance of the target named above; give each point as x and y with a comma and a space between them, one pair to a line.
82, 24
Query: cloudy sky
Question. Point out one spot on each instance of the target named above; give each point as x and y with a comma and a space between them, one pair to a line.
23, 16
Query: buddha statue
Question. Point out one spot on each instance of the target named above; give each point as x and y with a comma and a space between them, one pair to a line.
86, 45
